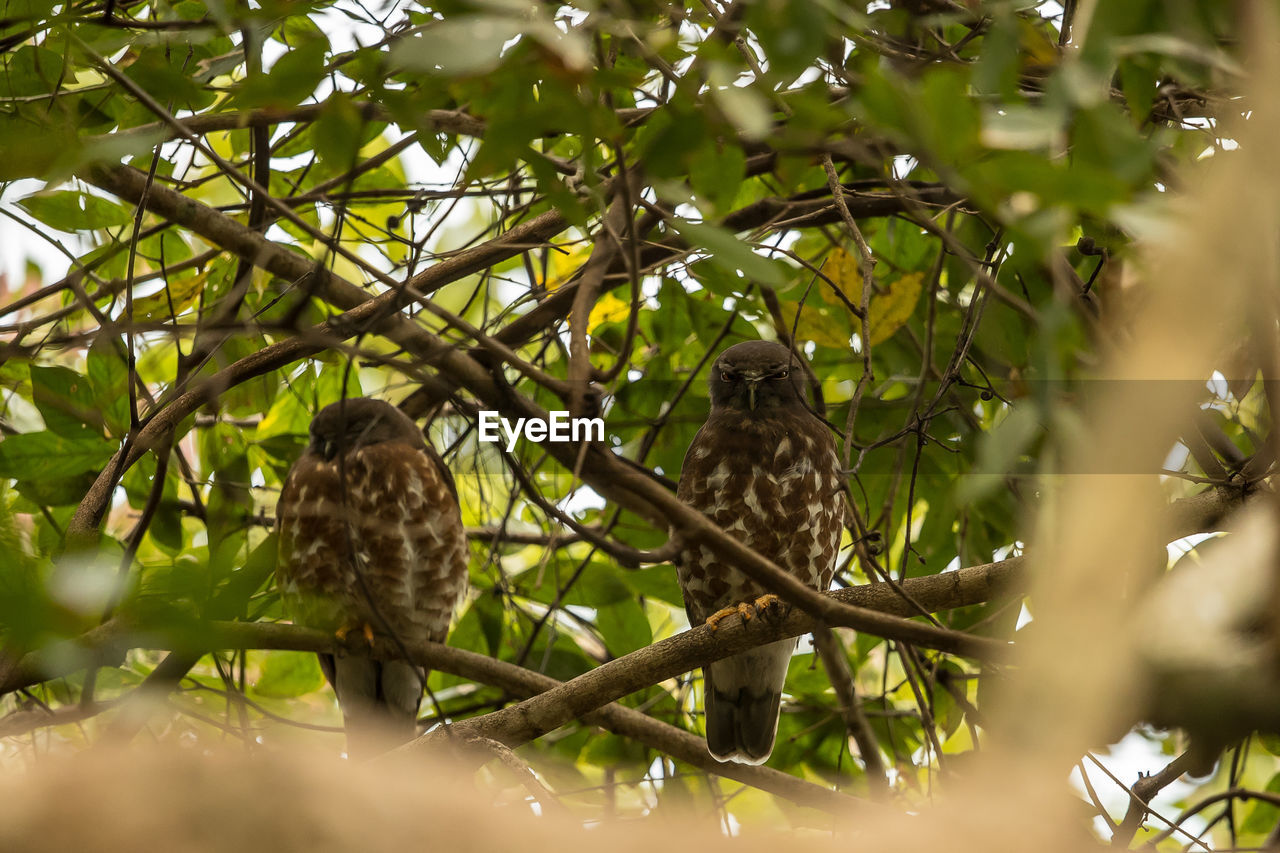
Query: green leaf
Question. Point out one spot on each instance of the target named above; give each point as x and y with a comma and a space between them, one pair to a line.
16, 376
749, 111
1022, 128
668, 139
36, 145
624, 626
656, 582
805, 676
240, 586
793, 33
66, 402
222, 446
68, 210
293, 77
30, 69
288, 415
488, 610
716, 172
165, 74
456, 47
47, 455
109, 379
997, 69
338, 132
610, 750
1262, 817
730, 253
288, 674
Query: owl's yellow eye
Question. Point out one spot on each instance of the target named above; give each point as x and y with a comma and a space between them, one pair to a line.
782, 374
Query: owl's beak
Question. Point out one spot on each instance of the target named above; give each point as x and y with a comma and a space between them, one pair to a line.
752, 378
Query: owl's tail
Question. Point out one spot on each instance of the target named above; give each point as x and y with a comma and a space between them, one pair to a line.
743, 697
379, 701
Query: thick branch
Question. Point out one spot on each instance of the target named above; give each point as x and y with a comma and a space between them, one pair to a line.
1141, 793
107, 645
109, 642
701, 645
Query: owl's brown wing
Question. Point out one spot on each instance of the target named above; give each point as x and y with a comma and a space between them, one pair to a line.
773, 483
372, 540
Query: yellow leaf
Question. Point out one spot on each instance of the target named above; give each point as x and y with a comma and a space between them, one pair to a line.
827, 326
562, 266
341, 266
608, 309
888, 311
842, 269
827, 321
891, 309
1038, 46
180, 294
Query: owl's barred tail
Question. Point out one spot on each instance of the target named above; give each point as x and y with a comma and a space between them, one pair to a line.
742, 702
742, 728
379, 701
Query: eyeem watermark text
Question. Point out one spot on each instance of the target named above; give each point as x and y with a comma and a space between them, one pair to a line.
558, 427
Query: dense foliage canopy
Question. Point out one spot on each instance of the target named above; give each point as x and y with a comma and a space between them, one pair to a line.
519, 206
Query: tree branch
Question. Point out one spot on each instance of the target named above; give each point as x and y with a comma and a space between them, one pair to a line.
107, 645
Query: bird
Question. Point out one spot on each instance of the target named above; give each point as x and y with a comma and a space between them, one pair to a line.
764, 468
371, 541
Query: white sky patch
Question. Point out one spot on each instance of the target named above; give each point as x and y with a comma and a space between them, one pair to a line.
1052, 11
657, 772
583, 499
1007, 551
1218, 386
1179, 548
903, 164
1177, 457
1132, 756
20, 245
807, 76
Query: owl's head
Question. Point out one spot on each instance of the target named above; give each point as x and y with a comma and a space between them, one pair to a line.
757, 376
359, 422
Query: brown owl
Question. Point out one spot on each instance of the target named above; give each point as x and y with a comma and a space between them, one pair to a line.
765, 469
371, 541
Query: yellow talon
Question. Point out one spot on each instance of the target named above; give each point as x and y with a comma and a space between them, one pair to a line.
713, 621
766, 601
744, 610
366, 630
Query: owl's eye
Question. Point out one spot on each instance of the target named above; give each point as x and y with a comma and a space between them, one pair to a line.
726, 376
782, 374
